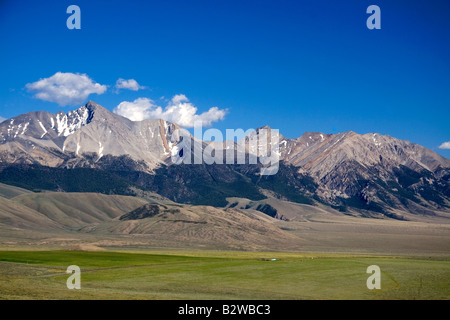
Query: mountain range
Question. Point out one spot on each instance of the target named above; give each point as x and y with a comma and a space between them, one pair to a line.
91, 149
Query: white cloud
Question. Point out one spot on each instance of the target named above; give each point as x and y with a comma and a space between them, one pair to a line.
65, 88
138, 110
130, 84
178, 98
179, 110
445, 145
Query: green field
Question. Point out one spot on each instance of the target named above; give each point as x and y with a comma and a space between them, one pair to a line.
218, 275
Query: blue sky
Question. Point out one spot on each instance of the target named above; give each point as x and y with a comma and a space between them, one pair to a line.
294, 65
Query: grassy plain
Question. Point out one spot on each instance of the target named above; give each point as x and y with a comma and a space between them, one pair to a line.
219, 275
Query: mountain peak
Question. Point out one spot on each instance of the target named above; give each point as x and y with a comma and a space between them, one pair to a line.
93, 105
98, 112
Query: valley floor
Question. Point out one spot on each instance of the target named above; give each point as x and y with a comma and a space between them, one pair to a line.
324, 259
219, 275
201, 252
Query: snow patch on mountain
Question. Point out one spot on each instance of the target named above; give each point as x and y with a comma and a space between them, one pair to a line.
68, 124
43, 129
100, 150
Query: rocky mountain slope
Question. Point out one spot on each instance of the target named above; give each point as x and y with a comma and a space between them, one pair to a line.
82, 137
367, 174
370, 171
